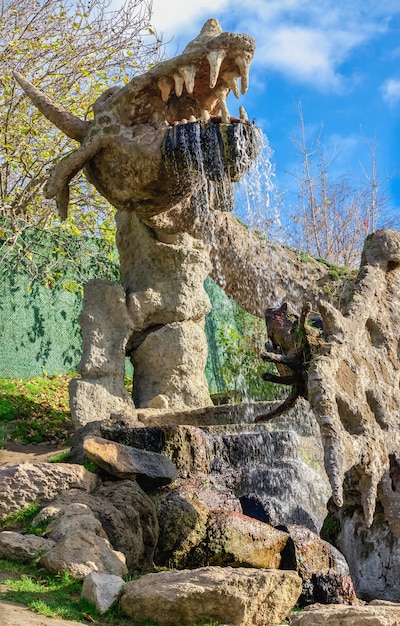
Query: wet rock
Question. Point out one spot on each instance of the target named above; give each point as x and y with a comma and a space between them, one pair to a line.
23, 548
376, 614
237, 540
182, 518
278, 474
150, 469
244, 597
322, 568
101, 589
22, 485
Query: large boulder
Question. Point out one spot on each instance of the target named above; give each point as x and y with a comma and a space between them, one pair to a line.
150, 469
125, 513
375, 614
20, 547
201, 525
40, 483
237, 540
81, 545
322, 568
244, 596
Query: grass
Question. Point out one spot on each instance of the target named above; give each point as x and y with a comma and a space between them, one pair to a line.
21, 521
59, 596
35, 410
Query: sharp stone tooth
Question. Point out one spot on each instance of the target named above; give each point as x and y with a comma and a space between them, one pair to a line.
178, 84
188, 74
215, 58
226, 118
243, 115
165, 85
192, 118
205, 116
244, 68
231, 80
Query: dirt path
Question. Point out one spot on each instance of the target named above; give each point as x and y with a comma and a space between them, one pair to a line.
17, 453
16, 615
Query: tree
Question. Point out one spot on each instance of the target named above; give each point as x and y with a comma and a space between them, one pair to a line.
334, 215
72, 51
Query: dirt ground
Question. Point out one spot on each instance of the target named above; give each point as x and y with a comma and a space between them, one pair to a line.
17, 453
17, 615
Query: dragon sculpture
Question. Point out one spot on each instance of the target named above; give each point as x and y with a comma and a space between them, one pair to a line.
126, 149
135, 153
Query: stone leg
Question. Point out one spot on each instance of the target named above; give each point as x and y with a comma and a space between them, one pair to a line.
106, 328
167, 303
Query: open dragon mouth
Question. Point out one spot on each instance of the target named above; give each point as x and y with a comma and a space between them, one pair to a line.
174, 113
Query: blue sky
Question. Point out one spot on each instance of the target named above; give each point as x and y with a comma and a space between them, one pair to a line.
339, 58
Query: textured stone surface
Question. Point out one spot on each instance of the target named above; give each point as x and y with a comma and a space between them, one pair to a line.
127, 516
354, 385
243, 596
272, 272
237, 540
150, 469
82, 553
102, 589
106, 328
375, 614
171, 362
19, 547
41, 483
322, 568
81, 544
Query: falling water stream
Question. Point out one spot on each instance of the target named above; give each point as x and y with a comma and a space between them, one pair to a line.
276, 471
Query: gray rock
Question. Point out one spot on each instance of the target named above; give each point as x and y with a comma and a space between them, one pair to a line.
106, 328
102, 589
376, 614
82, 553
127, 516
22, 547
81, 545
22, 485
150, 469
240, 596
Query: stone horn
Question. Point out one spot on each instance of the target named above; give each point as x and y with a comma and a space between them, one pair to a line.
69, 124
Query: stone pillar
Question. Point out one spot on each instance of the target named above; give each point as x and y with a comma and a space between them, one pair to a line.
167, 304
106, 328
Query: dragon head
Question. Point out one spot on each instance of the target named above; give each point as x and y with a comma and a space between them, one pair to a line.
154, 141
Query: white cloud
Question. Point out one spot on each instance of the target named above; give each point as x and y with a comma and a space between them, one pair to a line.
391, 91
183, 17
307, 41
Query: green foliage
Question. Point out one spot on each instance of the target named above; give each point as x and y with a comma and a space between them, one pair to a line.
59, 458
330, 529
35, 410
72, 52
241, 345
22, 520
